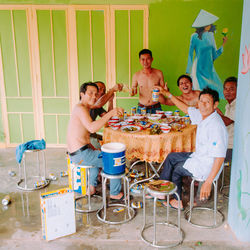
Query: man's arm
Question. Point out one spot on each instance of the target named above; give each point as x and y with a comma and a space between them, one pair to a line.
227, 121
94, 126
106, 97
133, 90
206, 186
181, 105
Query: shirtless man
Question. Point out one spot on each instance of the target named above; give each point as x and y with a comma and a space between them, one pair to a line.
146, 79
78, 137
188, 96
98, 110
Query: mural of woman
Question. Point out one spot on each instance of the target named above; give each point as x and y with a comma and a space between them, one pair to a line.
201, 67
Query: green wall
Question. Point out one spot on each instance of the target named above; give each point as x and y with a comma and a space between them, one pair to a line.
170, 31
169, 36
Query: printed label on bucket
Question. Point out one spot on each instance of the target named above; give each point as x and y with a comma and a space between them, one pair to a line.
119, 161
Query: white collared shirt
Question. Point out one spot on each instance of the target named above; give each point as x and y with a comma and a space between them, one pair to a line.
230, 113
211, 142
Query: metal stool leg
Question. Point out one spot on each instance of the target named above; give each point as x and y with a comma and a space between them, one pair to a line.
102, 213
153, 226
39, 181
190, 212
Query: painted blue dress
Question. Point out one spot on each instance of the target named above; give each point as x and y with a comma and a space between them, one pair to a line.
201, 68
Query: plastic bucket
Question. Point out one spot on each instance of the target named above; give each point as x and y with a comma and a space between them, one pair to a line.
113, 156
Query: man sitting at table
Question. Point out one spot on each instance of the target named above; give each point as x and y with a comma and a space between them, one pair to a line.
98, 110
79, 128
146, 79
211, 145
188, 96
230, 92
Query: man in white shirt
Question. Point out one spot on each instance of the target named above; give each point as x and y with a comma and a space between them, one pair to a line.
211, 145
230, 92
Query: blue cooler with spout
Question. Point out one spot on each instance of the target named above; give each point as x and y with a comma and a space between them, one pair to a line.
113, 156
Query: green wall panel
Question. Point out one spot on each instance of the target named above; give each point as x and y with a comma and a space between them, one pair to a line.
62, 128
45, 49
98, 43
127, 104
22, 52
50, 129
8, 57
60, 51
136, 39
59, 106
14, 128
28, 127
19, 105
83, 46
122, 48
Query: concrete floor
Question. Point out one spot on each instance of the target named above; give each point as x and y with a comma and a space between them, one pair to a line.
20, 221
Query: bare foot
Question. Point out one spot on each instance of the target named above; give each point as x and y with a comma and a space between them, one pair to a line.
173, 203
117, 197
92, 190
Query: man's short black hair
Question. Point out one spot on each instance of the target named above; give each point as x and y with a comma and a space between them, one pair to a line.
99, 82
231, 79
84, 87
145, 51
213, 93
183, 76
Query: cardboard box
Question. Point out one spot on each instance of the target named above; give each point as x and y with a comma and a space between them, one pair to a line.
57, 213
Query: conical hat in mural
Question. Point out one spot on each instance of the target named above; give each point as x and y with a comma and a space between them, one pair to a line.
203, 19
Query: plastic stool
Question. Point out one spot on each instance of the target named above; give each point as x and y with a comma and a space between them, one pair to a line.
92, 206
123, 209
39, 181
157, 192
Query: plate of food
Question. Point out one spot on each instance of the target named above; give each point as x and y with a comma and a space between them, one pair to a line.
131, 129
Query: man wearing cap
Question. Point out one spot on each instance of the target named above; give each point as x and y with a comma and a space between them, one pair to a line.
146, 79
202, 42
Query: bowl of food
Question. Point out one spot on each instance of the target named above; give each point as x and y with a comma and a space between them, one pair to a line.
168, 113
154, 117
165, 129
116, 126
115, 118
130, 121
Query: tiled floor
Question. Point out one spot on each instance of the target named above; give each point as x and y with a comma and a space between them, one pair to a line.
20, 222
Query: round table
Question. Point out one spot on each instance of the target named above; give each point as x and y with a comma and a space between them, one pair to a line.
152, 148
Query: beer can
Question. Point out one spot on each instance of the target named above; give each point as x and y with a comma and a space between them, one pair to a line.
187, 119
64, 173
6, 200
177, 113
143, 111
39, 184
52, 177
155, 95
125, 115
136, 204
118, 210
12, 173
133, 110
